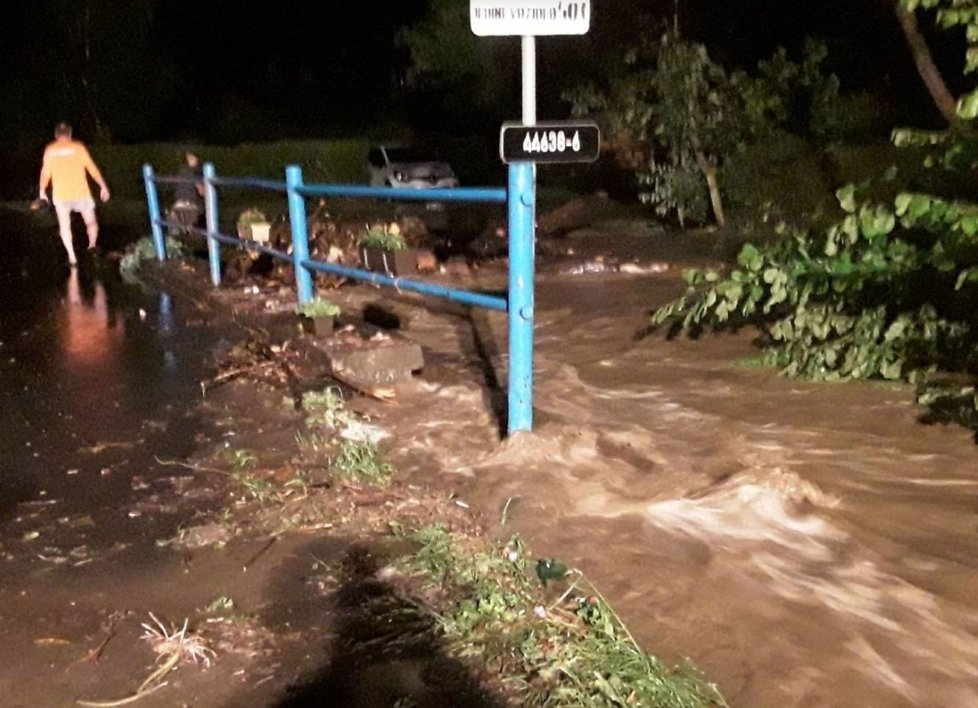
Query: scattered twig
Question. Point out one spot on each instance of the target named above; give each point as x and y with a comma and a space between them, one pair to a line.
188, 466
233, 373
570, 589
122, 701
504, 517
95, 654
261, 551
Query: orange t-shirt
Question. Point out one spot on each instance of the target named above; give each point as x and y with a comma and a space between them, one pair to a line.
66, 163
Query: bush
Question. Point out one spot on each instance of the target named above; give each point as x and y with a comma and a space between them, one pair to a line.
777, 179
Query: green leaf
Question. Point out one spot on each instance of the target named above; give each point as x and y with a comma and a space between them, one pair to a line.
847, 197
891, 370
895, 330
967, 108
965, 276
969, 224
901, 202
919, 205
750, 257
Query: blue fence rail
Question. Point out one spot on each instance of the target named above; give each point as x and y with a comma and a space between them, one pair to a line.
519, 198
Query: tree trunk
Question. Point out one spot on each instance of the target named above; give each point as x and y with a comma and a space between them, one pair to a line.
926, 67
709, 171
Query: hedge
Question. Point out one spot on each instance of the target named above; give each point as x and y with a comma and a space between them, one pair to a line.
321, 161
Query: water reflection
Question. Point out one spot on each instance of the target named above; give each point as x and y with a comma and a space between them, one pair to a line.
92, 332
93, 374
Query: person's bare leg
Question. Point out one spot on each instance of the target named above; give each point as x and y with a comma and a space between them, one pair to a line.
91, 225
64, 229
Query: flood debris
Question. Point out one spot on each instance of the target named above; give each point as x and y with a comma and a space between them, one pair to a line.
173, 647
100, 447
110, 632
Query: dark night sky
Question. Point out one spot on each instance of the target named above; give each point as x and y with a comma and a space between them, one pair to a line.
231, 70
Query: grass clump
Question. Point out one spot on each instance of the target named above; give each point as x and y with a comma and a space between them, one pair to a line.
327, 408
254, 485
574, 651
344, 437
360, 461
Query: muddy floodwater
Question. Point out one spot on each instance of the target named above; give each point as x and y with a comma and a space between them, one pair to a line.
804, 544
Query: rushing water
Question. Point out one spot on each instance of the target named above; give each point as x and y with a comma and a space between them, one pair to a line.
805, 544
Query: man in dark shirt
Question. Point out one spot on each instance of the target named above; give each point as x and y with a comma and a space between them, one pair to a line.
188, 202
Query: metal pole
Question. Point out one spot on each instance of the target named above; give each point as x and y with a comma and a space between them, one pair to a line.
213, 223
153, 207
529, 45
521, 257
300, 237
522, 199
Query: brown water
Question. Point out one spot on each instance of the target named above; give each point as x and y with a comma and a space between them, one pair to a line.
804, 544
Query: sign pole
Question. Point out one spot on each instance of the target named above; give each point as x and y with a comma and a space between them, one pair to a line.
522, 201
521, 147
529, 80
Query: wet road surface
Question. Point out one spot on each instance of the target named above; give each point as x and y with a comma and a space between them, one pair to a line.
93, 376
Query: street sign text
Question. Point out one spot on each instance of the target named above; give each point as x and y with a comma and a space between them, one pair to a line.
564, 141
498, 18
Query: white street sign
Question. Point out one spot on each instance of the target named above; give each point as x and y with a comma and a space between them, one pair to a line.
498, 18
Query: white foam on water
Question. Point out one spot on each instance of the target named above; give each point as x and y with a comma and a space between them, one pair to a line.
890, 627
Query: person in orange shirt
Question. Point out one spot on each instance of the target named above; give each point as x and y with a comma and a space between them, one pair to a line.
66, 168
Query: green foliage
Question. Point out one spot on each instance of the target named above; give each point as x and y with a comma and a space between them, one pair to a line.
947, 403
360, 461
327, 408
886, 292
676, 118
143, 250
317, 307
256, 486
443, 47
572, 652
240, 460
252, 216
455, 73
778, 179
384, 236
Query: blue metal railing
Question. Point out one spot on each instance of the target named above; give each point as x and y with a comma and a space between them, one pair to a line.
519, 197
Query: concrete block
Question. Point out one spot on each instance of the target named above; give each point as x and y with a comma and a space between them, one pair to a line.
372, 361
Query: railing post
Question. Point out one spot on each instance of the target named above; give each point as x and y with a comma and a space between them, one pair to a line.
153, 207
521, 267
211, 216
300, 236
